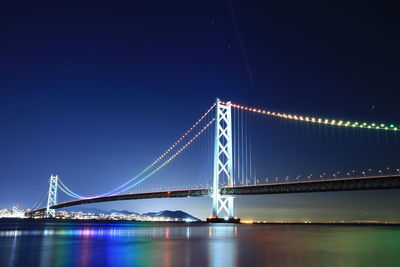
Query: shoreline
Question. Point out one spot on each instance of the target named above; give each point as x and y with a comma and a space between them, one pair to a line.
55, 220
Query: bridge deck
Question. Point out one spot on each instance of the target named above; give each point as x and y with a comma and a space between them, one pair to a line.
347, 184
160, 194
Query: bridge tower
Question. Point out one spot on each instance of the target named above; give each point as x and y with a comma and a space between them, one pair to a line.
223, 160
52, 198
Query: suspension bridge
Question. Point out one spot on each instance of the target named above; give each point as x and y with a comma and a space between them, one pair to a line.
237, 150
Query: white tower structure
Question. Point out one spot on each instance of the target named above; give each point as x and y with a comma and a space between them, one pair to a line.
52, 198
223, 159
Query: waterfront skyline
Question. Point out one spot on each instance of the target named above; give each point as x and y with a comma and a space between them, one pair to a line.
85, 95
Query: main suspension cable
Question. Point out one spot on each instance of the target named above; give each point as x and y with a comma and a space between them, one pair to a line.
68, 191
39, 201
162, 155
169, 159
341, 123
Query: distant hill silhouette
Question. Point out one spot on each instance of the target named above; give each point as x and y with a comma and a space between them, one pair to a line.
174, 214
178, 214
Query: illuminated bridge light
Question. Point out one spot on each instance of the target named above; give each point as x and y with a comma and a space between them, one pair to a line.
320, 120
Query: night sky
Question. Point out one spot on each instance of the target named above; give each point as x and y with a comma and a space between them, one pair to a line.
95, 91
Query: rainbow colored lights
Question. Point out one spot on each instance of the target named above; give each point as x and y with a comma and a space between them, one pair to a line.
163, 154
341, 123
126, 186
169, 159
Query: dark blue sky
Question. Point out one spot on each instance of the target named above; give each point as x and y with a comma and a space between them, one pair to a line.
95, 91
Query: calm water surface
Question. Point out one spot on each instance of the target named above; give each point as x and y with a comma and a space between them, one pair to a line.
28, 243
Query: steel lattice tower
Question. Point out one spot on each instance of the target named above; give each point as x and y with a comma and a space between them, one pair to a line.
222, 159
52, 198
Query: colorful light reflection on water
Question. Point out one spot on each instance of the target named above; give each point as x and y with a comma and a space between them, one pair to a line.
24, 243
